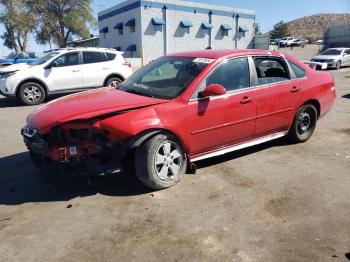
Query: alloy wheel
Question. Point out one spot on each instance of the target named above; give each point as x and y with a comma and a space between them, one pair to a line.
168, 160
32, 94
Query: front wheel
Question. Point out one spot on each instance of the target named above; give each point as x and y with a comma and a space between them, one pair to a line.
160, 162
31, 93
338, 65
303, 124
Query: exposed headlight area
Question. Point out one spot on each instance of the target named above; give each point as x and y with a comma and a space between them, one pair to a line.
5, 75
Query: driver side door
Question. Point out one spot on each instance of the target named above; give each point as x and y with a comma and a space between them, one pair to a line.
226, 120
64, 73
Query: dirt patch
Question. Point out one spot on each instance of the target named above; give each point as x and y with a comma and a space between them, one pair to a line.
287, 204
233, 177
345, 131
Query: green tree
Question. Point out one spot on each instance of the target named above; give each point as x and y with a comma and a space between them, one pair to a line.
60, 20
19, 21
279, 30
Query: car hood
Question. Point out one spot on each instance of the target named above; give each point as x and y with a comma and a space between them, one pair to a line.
14, 67
86, 105
333, 57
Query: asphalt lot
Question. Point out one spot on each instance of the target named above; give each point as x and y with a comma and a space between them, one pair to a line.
273, 202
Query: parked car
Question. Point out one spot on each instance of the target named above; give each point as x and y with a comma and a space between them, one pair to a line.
64, 71
319, 42
274, 41
179, 109
286, 41
18, 57
299, 42
334, 57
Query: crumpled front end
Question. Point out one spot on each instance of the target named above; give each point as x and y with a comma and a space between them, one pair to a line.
74, 148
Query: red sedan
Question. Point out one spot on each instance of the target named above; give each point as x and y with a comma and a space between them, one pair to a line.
179, 109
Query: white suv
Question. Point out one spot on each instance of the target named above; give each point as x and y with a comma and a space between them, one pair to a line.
64, 71
286, 41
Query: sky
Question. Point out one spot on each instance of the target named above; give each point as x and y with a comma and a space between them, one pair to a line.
268, 12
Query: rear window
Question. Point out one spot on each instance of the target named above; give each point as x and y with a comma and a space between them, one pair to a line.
93, 57
110, 56
299, 72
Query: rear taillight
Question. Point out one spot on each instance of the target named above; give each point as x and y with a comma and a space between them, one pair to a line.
127, 64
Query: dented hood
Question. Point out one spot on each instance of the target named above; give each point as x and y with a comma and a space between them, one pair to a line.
86, 105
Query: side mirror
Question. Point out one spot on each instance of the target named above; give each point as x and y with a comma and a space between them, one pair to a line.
213, 90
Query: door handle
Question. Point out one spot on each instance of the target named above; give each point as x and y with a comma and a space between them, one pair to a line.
76, 70
105, 68
295, 89
246, 100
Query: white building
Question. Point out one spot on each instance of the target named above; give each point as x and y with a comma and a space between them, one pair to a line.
155, 28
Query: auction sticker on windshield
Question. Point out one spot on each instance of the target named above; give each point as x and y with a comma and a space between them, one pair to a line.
203, 60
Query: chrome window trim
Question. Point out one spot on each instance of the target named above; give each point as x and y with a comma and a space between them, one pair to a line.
253, 77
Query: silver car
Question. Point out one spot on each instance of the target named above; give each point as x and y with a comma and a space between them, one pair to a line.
334, 57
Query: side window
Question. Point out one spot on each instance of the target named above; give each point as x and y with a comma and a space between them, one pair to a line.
347, 52
69, 59
22, 56
110, 56
271, 70
233, 75
299, 72
93, 57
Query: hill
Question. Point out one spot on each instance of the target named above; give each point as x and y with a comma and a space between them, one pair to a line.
313, 27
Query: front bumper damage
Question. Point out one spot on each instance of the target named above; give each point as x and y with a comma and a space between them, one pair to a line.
68, 159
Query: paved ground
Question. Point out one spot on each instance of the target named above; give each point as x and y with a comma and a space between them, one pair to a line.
273, 202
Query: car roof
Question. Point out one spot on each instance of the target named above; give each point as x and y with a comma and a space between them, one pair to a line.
218, 53
98, 49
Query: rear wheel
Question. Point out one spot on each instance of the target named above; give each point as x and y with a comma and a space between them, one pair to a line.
31, 93
304, 124
338, 65
113, 81
160, 162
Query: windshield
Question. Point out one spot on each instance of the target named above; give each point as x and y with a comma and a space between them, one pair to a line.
166, 77
44, 58
12, 55
332, 52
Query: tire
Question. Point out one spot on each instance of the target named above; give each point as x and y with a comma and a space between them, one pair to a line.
304, 124
113, 81
31, 93
171, 166
338, 65
45, 164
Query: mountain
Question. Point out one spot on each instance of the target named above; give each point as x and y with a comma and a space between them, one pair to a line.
313, 27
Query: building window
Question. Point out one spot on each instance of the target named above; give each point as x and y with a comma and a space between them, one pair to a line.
132, 25
225, 28
224, 32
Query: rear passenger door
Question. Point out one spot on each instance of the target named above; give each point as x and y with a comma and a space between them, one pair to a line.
95, 68
278, 95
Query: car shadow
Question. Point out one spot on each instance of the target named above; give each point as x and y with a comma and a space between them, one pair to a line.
8, 102
346, 96
13, 102
21, 182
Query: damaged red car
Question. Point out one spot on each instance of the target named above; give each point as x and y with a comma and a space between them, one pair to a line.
179, 109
